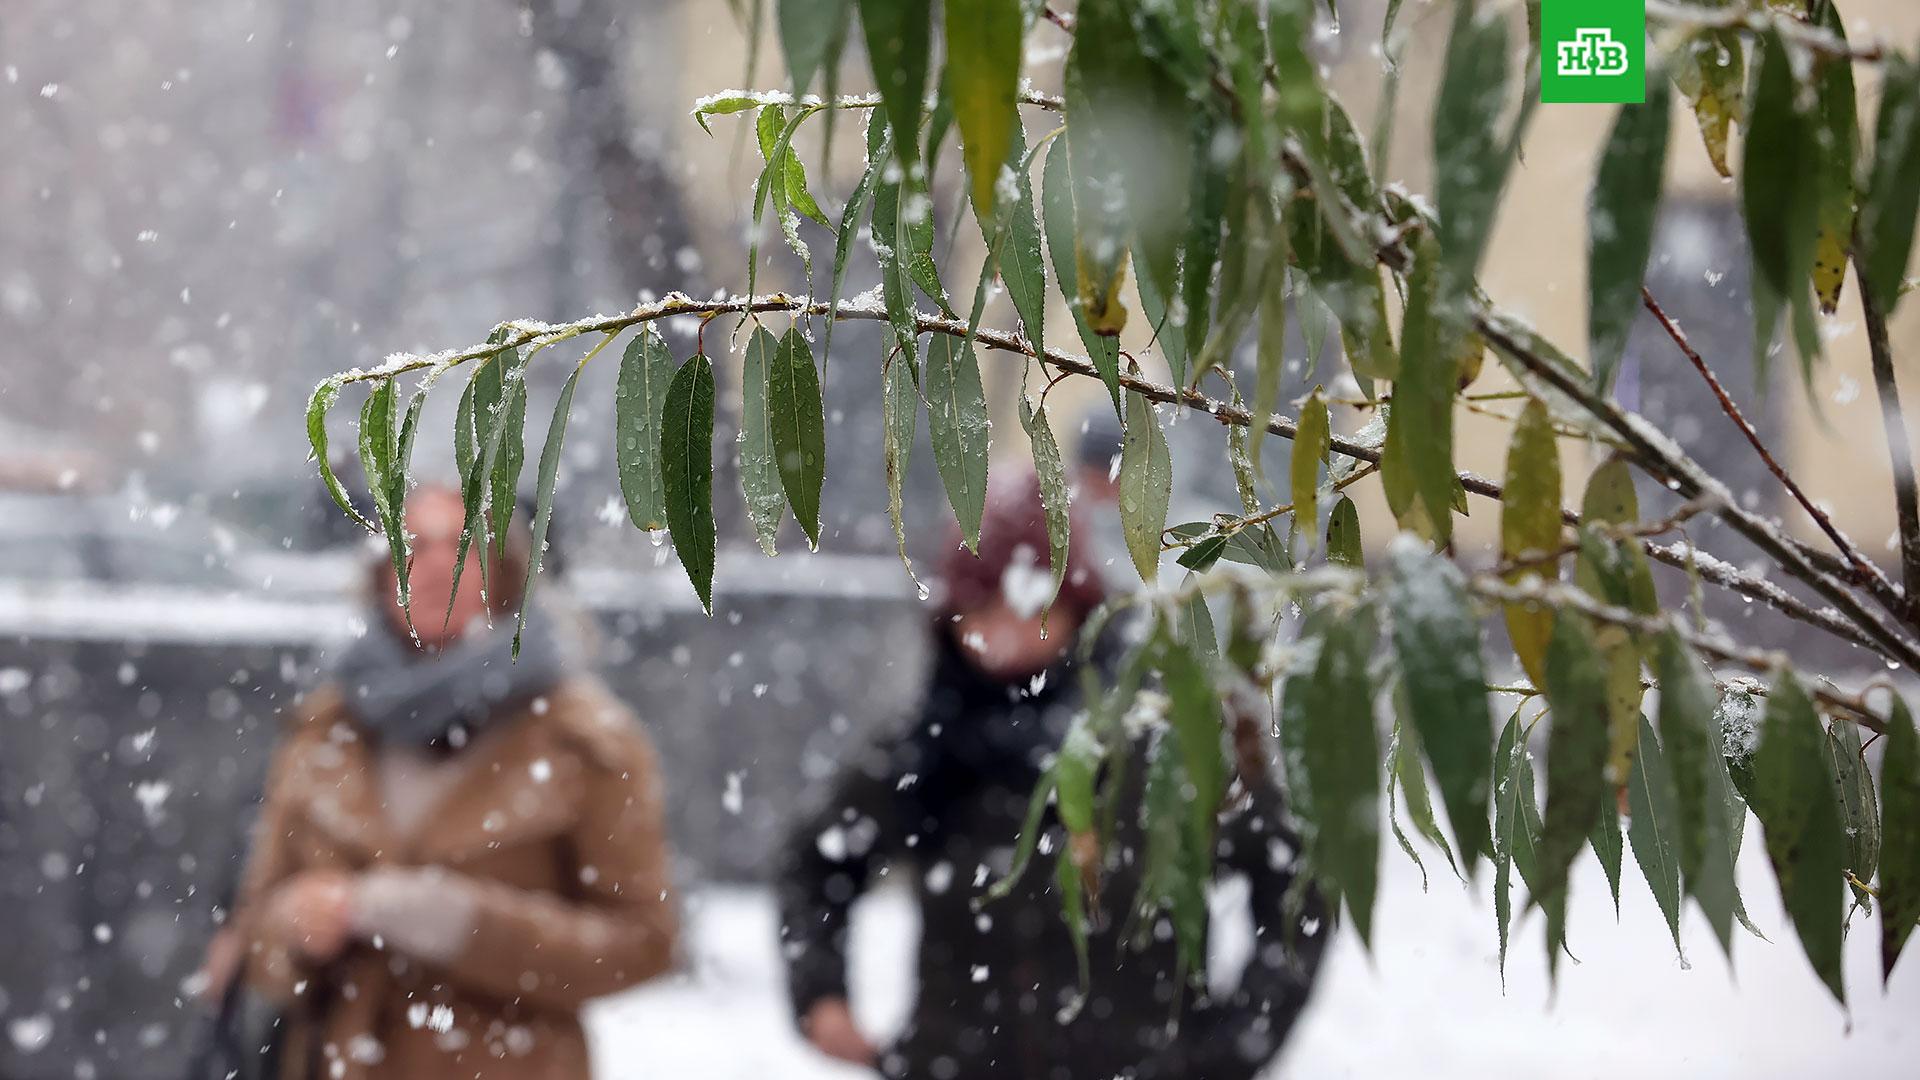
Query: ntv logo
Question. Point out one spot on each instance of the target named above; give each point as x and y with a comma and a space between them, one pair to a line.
1592, 52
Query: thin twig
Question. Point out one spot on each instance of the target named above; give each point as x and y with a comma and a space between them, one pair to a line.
1612, 531
1851, 706
1238, 525
1899, 448
1811, 38
1655, 453
522, 334
1864, 570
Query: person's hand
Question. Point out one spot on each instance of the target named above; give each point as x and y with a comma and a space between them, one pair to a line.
830, 1028
312, 913
219, 967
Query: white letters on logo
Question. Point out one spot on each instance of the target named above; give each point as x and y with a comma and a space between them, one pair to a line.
1592, 52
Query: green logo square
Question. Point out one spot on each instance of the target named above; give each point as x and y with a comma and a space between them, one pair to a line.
1593, 51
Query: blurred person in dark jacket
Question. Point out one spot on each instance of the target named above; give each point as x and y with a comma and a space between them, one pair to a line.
458, 848
939, 806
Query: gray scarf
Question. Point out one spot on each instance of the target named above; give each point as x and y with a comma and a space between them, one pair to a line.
415, 697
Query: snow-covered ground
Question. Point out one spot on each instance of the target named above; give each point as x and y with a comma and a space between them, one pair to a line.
1427, 1002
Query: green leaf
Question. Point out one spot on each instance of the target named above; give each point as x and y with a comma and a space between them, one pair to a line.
896, 288
324, 395
957, 420
1202, 555
722, 105
899, 38
1607, 847
1193, 625
508, 452
1602, 571
903, 240
983, 71
1529, 526
1073, 909
686, 456
1346, 269
1412, 781
850, 217
1793, 798
1779, 195
1576, 688
812, 33
1200, 260
1022, 265
795, 181
465, 449
401, 477
1891, 202
1178, 864
1621, 211
1251, 273
798, 420
1397, 763
1712, 77
900, 416
759, 473
1838, 131
1702, 829
1170, 339
1146, 485
549, 470
1470, 154
1343, 540
1516, 825
1436, 638
638, 398
1311, 443
1652, 801
1270, 356
1131, 116
1050, 469
1900, 836
480, 402
1028, 838
1859, 809
379, 450
1259, 547
1101, 242
1056, 204
1341, 755
1421, 422
1193, 716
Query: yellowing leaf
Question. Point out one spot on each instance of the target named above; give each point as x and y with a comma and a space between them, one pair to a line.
1310, 445
1146, 486
1712, 77
1839, 124
983, 72
1530, 526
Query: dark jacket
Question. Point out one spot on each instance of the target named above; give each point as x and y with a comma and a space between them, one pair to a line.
939, 805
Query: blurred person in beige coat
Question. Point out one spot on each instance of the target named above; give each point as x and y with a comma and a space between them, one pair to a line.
457, 849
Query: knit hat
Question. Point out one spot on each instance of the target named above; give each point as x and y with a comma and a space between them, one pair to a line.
1014, 561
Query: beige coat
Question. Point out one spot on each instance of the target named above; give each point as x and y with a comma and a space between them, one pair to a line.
551, 837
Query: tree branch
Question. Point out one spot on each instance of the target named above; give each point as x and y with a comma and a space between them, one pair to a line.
1899, 447
1852, 706
1862, 570
1657, 454
523, 333
1811, 38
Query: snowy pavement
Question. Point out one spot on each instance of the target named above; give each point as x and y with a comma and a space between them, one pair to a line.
1427, 1002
